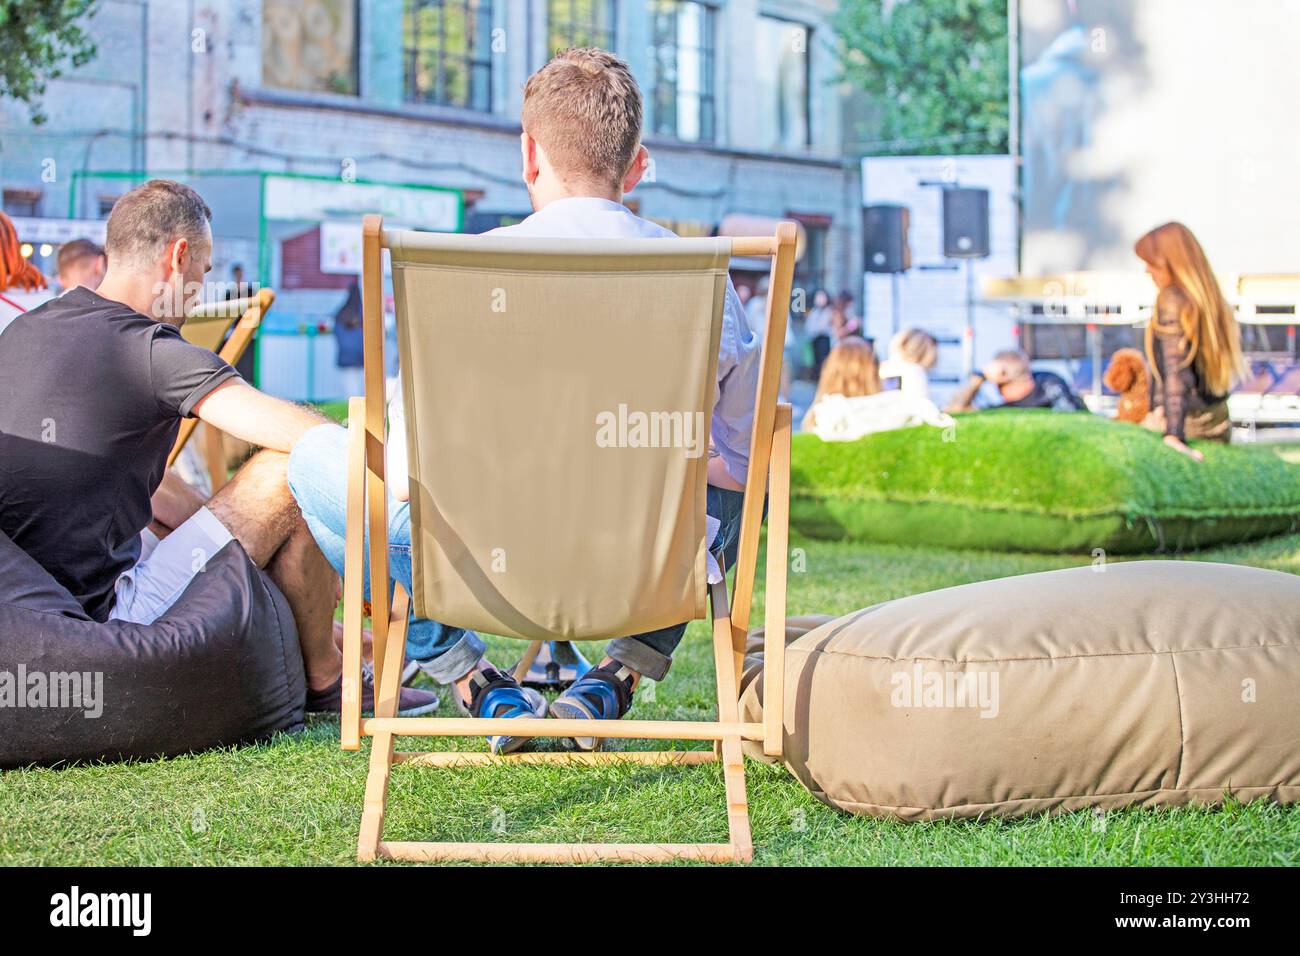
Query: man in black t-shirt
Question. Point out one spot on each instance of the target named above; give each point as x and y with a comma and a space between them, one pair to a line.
93, 387
1018, 385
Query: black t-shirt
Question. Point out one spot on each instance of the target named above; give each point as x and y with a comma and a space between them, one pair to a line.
91, 398
1050, 391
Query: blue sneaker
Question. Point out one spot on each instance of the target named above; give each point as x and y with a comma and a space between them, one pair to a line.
603, 693
494, 694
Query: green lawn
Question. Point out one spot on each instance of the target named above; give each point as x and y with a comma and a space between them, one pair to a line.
297, 800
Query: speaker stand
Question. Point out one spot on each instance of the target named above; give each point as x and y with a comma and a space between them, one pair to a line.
895, 306
968, 337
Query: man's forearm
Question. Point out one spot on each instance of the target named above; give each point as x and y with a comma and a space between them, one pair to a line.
962, 398
282, 433
241, 410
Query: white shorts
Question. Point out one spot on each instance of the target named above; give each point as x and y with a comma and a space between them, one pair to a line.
166, 568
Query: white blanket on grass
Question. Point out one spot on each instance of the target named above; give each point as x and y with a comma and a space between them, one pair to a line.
847, 419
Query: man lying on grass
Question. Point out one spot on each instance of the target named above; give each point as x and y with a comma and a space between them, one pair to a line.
581, 148
93, 386
1018, 385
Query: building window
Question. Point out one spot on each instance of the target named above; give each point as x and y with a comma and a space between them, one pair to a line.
22, 202
310, 46
781, 84
580, 23
447, 47
682, 102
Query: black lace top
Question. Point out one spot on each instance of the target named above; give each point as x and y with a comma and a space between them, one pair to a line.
1177, 384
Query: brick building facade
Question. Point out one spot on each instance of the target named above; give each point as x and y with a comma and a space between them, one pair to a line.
742, 111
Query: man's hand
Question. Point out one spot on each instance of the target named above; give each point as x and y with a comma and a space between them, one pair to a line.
1178, 445
239, 409
175, 501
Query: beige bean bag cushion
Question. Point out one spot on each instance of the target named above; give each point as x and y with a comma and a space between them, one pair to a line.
1152, 682
795, 628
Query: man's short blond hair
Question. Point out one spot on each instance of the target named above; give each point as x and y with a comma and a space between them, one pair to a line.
584, 110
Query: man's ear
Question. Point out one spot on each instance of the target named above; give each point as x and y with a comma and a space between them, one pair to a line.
528, 152
640, 163
180, 252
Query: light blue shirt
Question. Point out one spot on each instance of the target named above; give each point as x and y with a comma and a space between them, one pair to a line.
738, 349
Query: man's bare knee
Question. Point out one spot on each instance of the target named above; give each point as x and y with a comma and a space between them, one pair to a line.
258, 507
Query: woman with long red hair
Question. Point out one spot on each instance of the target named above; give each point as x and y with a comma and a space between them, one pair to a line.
1193, 341
17, 274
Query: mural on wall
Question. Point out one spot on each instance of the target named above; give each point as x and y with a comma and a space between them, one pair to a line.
310, 45
1133, 114
1072, 53
1060, 91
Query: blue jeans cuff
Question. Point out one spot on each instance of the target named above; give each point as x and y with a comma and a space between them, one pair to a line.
641, 657
450, 665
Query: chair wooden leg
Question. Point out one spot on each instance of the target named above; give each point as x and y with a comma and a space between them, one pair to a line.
372, 813
388, 686
728, 731
778, 543
733, 765
525, 662
376, 495
353, 579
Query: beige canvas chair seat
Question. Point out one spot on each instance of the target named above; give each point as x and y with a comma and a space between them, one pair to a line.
206, 326
582, 357
558, 396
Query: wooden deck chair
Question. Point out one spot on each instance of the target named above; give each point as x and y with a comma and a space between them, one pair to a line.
522, 360
206, 327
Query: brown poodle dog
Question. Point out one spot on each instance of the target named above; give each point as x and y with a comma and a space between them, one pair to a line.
1127, 374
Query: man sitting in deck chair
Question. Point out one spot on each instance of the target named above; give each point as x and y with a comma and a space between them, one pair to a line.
95, 384
581, 147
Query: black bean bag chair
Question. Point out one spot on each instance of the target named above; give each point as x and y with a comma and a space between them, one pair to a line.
221, 667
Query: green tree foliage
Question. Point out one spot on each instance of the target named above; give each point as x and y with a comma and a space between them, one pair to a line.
936, 71
37, 39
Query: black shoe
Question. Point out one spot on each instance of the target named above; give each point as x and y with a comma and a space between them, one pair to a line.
412, 702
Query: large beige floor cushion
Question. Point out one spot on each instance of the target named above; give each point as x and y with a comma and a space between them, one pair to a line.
1151, 682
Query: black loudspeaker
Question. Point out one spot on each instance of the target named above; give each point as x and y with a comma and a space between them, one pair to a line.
884, 231
965, 223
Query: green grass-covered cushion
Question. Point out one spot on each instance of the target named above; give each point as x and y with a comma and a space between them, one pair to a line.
1039, 481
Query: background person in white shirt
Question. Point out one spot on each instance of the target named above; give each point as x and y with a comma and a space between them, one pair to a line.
581, 151
912, 353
